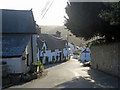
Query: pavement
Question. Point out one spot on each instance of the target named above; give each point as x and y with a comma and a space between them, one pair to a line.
71, 74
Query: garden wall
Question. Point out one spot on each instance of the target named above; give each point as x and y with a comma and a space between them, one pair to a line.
106, 58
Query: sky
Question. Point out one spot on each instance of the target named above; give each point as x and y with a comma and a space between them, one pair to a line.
54, 15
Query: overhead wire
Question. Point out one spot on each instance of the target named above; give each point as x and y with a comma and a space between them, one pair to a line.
45, 11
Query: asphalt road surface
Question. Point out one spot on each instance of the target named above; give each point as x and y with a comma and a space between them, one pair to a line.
72, 74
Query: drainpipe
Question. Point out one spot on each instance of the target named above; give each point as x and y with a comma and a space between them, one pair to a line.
32, 48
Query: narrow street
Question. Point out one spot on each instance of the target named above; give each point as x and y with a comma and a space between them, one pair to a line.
71, 74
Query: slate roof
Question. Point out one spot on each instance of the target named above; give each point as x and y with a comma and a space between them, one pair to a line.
52, 42
18, 21
55, 35
13, 45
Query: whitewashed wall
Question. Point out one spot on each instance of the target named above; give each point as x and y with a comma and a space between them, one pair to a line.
72, 49
28, 50
17, 65
50, 54
14, 64
34, 48
65, 51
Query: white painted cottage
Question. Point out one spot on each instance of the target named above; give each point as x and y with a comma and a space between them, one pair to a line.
51, 49
72, 48
18, 40
85, 55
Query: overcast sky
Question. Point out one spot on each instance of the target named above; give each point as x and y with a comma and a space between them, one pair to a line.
54, 16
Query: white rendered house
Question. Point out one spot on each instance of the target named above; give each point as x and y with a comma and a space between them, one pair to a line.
18, 40
51, 49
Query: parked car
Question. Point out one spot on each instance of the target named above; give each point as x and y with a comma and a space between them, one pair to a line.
86, 64
76, 55
85, 55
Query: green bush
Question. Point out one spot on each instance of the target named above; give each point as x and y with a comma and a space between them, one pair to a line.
38, 63
97, 42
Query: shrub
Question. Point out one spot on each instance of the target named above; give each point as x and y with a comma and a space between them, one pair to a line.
38, 63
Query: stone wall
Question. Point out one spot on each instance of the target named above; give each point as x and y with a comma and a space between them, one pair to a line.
106, 58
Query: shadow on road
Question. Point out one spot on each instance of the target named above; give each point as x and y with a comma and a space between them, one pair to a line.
77, 83
51, 65
95, 79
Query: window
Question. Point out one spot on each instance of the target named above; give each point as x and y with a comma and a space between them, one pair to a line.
27, 59
41, 59
43, 49
52, 50
53, 59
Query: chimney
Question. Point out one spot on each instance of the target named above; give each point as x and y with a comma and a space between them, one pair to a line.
58, 34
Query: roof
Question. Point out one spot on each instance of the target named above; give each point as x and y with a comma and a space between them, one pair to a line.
53, 42
82, 49
39, 43
18, 21
56, 35
13, 45
87, 49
